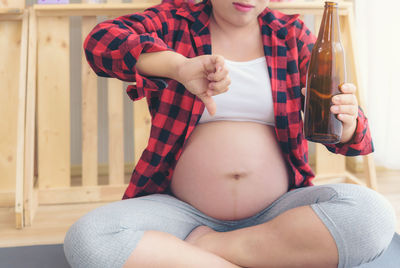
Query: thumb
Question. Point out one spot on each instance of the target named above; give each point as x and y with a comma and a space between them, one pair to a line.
209, 103
303, 91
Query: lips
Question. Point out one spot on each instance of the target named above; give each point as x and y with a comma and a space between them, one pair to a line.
242, 7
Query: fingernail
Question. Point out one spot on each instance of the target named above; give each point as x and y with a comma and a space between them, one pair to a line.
335, 109
219, 68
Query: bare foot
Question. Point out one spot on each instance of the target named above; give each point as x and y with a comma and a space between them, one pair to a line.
197, 233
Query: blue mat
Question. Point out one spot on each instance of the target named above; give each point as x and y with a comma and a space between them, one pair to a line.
43, 256
52, 256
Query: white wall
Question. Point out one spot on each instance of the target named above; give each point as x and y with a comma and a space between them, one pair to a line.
378, 29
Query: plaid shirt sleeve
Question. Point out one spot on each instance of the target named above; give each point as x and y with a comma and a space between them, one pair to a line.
361, 143
113, 47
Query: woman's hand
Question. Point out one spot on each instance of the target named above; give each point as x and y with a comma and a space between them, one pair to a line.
204, 76
345, 105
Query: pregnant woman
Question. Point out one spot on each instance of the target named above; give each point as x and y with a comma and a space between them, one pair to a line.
224, 180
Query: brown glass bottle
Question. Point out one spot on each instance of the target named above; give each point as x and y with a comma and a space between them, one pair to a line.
326, 73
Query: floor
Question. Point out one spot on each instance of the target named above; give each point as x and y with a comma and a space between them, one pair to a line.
39, 256
51, 222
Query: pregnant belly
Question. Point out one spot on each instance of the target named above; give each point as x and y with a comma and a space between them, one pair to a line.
230, 170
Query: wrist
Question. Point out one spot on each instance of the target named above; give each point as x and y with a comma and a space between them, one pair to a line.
177, 67
348, 133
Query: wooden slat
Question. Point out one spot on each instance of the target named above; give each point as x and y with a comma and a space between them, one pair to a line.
141, 127
11, 11
12, 3
10, 14
305, 8
93, 9
10, 39
370, 172
115, 131
327, 162
101, 193
53, 102
349, 41
317, 23
114, 1
89, 114
7, 200
115, 127
30, 203
350, 178
19, 186
10, 17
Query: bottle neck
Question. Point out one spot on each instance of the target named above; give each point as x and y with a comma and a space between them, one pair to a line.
330, 29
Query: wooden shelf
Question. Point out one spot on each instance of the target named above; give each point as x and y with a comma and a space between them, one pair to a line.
91, 9
308, 8
11, 11
10, 14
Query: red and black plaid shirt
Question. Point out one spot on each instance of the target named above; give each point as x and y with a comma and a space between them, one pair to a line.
113, 47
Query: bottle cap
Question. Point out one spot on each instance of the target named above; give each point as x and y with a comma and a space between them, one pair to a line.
331, 4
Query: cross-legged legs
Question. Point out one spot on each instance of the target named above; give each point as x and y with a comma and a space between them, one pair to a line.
319, 226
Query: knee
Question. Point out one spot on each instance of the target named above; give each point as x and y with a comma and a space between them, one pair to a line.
376, 222
86, 240
77, 243
97, 240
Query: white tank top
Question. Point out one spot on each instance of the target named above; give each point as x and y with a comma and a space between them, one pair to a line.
249, 97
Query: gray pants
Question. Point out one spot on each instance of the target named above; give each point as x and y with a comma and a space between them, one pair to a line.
361, 221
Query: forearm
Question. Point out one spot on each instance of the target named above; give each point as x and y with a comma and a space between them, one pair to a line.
160, 64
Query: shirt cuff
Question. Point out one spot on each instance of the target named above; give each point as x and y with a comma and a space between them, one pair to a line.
138, 90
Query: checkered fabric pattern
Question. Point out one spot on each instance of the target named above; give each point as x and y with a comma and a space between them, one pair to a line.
113, 47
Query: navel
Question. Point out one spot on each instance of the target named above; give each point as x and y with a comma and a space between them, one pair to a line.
237, 175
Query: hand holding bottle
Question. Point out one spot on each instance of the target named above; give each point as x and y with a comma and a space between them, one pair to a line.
345, 106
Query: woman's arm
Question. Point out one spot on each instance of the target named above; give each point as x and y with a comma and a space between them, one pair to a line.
204, 76
161, 64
